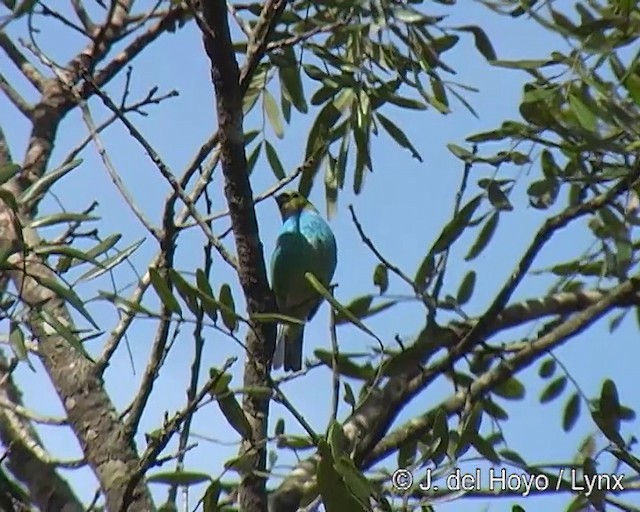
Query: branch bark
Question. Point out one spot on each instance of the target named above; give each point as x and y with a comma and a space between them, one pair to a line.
92, 416
252, 274
46, 488
372, 418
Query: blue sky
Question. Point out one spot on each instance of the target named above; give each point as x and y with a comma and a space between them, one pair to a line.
403, 207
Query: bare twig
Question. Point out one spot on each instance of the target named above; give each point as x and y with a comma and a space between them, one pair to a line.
82, 15
17, 57
159, 440
167, 175
115, 177
14, 97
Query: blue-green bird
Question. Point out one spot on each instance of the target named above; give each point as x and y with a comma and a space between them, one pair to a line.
305, 244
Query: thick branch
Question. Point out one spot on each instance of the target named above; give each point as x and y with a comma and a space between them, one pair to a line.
252, 273
489, 380
26, 461
373, 417
91, 414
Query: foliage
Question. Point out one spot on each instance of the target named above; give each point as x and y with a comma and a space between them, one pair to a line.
351, 71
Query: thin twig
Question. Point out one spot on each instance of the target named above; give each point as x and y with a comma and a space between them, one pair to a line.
115, 177
17, 57
167, 174
159, 441
14, 97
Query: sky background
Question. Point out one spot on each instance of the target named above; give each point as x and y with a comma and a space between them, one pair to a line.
402, 208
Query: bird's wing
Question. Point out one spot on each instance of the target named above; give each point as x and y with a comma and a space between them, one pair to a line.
324, 250
292, 257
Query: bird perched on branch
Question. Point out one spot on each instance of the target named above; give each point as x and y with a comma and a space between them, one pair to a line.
305, 244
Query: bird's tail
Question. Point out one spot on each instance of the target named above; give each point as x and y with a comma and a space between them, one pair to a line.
289, 348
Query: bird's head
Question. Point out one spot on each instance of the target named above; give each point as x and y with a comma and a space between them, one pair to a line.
291, 202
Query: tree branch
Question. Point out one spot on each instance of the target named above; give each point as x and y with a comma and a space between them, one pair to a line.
489, 380
17, 57
14, 97
252, 273
46, 488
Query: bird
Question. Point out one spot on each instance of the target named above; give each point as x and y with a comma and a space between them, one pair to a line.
305, 244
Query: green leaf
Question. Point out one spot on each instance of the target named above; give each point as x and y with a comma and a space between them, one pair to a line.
25, 7
381, 277
228, 404
275, 318
553, 390
67, 294
549, 167
583, 113
185, 290
229, 317
444, 43
466, 288
571, 412
494, 410
482, 42
345, 366
349, 397
211, 497
207, 300
409, 16
543, 193
511, 389
317, 285
8, 171
409, 103
108, 263
65, 250
274, 161
57, 218
484, 237
461, 153
335, 437
104, 246
547, 368
273, 114
336, 496
407, 453
63, 330
290, 81
484, 448
610, 404
498, 198
181, 478
513, 456
42, 185
252, 159
439, 100
424, 272
331, 186
522, 64
398, 135
456, 227
317, 145
18, 344
126, 305
164, 292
